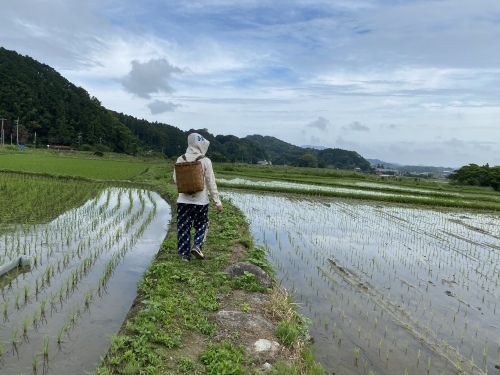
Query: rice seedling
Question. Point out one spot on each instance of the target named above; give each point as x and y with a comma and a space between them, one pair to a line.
25, 325
34, 363
5, 308
26, 293
14, 338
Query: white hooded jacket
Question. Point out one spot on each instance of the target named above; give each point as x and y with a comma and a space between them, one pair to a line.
198, 146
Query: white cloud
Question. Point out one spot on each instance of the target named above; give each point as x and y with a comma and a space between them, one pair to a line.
150, 77
356, 126
158, 106
320, 123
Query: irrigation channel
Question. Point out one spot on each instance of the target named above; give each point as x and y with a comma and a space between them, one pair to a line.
58, 314
389, 290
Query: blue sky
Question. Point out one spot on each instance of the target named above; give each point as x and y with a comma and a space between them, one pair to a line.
412, 82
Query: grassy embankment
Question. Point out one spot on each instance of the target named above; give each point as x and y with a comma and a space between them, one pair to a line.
176, 299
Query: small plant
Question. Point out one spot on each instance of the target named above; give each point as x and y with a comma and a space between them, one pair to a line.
25, 325
14, 340
185, 365
248, 282
34, 363
59, 334
16, 299
245, 307
224, 358
46, 348
42, 308
26, 293
287, 333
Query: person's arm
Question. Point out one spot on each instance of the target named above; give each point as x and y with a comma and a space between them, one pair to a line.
211, 184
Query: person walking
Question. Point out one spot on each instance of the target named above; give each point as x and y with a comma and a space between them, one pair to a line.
192, 208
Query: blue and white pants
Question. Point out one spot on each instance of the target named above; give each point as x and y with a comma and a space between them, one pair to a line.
191, 215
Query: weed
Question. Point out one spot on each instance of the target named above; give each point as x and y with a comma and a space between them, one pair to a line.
248, 281
224, 358
287, 333
185, 365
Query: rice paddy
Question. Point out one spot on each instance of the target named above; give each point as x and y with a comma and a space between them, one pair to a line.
64, 164
389, 289
442, 196
59, 312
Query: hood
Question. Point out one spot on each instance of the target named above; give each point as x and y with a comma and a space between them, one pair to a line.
197, 144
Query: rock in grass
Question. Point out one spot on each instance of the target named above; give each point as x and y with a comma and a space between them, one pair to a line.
239, 269
249, 322
263, 345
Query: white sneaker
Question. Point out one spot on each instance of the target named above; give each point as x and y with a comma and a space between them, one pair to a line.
197, 252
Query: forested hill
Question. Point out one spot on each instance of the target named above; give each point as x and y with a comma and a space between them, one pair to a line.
284, 153
53, 111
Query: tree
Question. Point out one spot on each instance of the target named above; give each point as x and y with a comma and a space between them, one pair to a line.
475, 175
307, 160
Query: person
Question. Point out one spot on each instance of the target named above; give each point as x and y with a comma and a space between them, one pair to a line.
192, 209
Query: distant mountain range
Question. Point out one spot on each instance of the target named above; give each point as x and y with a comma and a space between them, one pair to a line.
408, 168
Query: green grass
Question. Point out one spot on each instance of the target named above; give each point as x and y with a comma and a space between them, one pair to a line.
30, 199
90, 168
224, 358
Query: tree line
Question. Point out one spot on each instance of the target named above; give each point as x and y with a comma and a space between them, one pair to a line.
475, 175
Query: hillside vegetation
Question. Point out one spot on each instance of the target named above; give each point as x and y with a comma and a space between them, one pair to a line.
40, 107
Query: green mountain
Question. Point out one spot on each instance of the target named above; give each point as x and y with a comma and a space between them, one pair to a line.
283, 153
50, 110
53, 108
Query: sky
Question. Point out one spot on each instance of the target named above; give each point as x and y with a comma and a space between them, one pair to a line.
413, 82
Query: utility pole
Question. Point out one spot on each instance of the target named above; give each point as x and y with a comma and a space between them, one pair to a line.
2, 140
17, 130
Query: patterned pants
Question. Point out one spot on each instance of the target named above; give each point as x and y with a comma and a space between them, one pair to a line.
190, 215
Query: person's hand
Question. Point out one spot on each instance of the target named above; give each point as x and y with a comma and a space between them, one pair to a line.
219, 207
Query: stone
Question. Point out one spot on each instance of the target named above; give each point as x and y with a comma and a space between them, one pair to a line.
263, 345
247, 320
239, 269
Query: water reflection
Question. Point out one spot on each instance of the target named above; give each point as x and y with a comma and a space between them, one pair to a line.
389, 289
85, 266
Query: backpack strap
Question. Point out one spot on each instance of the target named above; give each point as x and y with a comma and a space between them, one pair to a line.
198, 158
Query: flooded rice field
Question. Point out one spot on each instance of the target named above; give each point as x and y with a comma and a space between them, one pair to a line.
57, 315
389, 290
